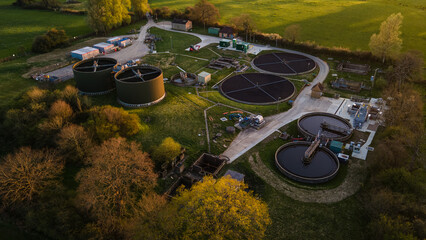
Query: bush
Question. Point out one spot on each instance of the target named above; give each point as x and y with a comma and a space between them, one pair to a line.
47, 42
107, 122
166, 152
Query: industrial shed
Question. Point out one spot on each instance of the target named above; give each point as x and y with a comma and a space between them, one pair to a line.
124, 42
114, 40
85, 53
94, 76
104, 47
139, 86
182, 24
227, 32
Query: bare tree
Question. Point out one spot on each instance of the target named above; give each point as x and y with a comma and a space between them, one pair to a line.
407, 68
292, 32
26, 173
244, 22
74, 143
119, 176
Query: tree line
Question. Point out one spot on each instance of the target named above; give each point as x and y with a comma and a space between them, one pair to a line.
68, 171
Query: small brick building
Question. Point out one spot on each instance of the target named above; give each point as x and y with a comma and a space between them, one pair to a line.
316, 90
227, 32
182, 24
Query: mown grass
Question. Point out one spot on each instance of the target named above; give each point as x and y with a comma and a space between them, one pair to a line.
292, 219
327, 22
20, 26
11, 82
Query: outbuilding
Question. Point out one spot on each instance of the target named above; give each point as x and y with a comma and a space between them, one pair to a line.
204, 78
85, 53
104, 47
114, 40
235, 175
213, 31
124, 42
227, 32
225, 43
336, 147
182, 24
316, 90
243, 46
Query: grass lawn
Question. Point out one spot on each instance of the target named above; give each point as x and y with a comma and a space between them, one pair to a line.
11, 82
346, 23
20, 26
292, 219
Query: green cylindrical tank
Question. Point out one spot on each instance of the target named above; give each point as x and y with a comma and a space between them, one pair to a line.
139, 86
94, 76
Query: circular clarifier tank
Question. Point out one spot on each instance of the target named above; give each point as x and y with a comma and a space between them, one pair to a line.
139, 86
94, 76
322, 167
331, 126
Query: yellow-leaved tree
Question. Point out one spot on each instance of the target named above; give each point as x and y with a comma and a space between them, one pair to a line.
220, 209
387, 44
104, 15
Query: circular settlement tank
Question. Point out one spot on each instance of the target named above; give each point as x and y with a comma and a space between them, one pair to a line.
139, 86
257, 88
323, 165
94, 76
332, 126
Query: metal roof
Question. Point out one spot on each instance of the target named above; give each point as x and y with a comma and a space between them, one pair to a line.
84, 50
203, 74
103, 45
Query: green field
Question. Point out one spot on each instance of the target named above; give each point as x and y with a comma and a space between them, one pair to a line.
345, 23
20, 26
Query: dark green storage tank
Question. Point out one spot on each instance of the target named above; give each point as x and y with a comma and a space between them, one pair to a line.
139, 86
94, 76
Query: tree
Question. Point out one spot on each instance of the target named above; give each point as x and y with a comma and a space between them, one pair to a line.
60, 109
106, 122
245, 23
220, 209
205, 12
74, 143
140, 7
407, 68
50, 40
104, 15
292, 32
27, 173
387, 43
166, 152
119, 177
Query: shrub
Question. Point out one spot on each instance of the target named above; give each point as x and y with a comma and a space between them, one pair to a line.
47, 42
107, 122
168, 150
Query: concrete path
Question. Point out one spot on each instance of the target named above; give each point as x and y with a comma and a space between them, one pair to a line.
302, 105
138, 49
352, 183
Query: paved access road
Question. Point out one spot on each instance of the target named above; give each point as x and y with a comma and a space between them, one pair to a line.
250, 137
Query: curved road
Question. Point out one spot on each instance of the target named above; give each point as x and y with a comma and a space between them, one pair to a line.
249, 137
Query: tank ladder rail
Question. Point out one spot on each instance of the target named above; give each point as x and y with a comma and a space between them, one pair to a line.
333, 128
